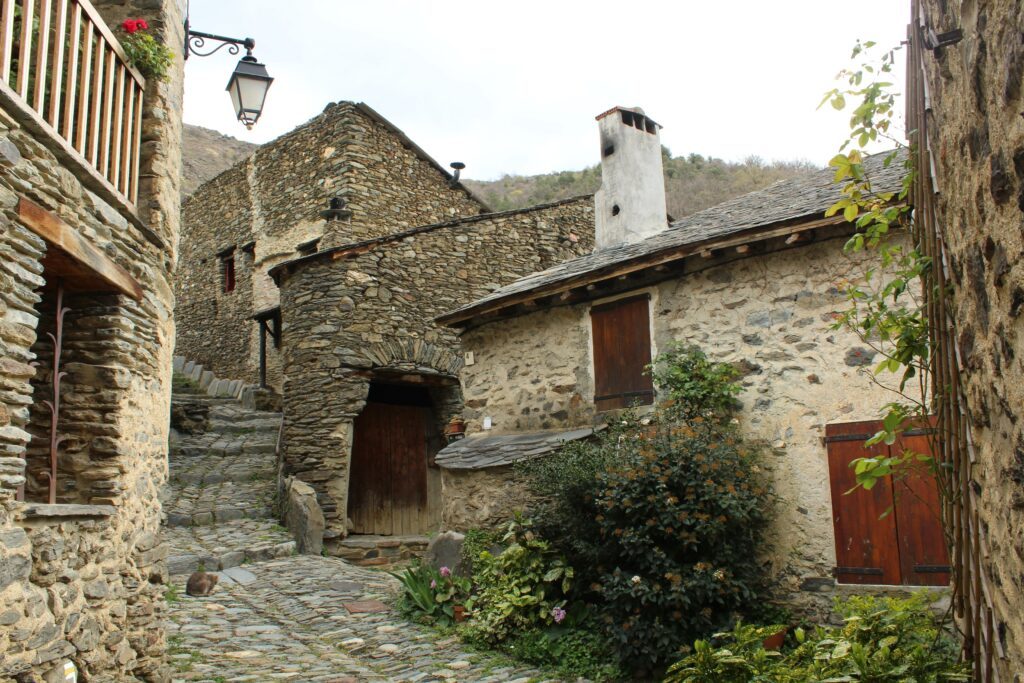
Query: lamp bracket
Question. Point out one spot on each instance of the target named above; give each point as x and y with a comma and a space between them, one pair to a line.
195, 41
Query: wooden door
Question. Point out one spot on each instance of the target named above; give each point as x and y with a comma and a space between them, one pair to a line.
388, 477
924, 558
865, 539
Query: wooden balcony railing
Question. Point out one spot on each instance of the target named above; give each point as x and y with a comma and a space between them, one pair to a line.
62, 68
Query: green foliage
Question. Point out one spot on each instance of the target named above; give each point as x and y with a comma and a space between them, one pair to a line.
575, 652
883, 640
694, 385
522, 588
431, 595
477, 541
662, 517
692, 182
151, 57
884, 308
680, 521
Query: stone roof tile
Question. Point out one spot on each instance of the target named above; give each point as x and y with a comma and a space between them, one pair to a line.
479, 452
804, 197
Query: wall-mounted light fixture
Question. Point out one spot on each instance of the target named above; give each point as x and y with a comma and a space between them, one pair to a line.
249, 82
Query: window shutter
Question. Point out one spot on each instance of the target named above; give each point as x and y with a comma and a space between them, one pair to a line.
924, 558
622, 351
866, 542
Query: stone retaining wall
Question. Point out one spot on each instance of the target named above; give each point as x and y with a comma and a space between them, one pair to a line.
976, 100
769, 315
349, 317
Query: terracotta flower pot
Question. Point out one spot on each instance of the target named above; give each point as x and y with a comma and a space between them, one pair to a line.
774, 641
460, 614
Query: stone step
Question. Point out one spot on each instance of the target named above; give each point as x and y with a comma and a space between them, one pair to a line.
205, 477
226, 545
193, 450
197, 505
380, 551
243, 426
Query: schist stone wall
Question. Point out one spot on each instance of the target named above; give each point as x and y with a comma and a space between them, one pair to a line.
769, 315
84, 580
977, 135
372, 309
270, 204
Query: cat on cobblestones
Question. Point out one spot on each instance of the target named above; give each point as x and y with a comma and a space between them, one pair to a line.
201, 583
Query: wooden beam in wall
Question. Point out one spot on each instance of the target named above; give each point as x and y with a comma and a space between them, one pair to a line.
83, 264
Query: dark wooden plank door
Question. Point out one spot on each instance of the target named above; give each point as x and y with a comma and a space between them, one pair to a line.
621, 332
866, 542
388, 476
924, 559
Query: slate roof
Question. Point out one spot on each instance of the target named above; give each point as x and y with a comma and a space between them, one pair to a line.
805, 197
478, 452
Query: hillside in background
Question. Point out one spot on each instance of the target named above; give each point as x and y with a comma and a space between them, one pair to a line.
207, 153
692, 183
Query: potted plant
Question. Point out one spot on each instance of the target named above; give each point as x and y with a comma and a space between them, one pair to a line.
456, 429
146, 53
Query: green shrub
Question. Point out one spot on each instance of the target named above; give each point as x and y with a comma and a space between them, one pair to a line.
694, 386
883, 640
522, 588
579, 652
431, 595
662, 517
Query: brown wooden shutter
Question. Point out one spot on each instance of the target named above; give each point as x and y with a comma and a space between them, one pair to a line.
924, 559
907, 545
866, 546
622, 351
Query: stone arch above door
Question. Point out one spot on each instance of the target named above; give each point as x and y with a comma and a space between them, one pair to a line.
412, 355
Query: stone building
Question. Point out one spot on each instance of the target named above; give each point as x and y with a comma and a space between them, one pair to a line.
347, 334
88, 233
267, 210
756, 282
976, 140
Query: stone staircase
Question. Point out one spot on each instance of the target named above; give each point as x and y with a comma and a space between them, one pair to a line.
219, 500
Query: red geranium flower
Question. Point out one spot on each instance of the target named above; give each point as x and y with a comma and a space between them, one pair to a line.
141, 25
130, 25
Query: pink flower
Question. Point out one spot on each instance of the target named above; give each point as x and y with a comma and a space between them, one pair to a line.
130, 25
446, 572
433, 583
558, 614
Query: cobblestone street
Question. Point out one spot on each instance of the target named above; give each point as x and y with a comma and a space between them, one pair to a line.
276, 615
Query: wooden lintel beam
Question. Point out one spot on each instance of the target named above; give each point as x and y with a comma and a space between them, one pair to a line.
707, 253
796, 237
742, 248
59, 234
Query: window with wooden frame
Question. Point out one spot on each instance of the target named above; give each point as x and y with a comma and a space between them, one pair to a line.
892, 533
227, 270
621, 332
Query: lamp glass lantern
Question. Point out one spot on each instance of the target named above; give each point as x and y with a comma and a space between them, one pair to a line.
248, 89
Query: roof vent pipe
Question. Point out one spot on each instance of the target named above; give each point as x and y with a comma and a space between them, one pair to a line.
458, 166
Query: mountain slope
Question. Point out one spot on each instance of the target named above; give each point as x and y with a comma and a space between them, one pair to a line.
207, 153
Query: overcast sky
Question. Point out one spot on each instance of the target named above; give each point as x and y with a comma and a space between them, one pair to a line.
513, 87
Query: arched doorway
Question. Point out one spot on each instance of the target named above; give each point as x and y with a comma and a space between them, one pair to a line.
394, 487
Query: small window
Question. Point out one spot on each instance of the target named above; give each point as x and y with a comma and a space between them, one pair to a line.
891, 534
622, 351
227, 271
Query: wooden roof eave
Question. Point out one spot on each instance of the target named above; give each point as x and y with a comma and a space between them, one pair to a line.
562, 290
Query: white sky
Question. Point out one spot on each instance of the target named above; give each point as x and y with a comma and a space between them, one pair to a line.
513, 87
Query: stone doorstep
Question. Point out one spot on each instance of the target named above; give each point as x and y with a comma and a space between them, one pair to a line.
380, 551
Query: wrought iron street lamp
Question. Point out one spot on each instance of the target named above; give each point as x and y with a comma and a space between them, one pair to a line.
249, 82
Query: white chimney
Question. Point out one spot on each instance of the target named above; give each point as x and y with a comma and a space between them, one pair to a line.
630, 206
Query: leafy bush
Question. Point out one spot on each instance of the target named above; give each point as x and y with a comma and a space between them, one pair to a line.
662, 517
694, 385
147, 54
431, 595
884, 640
522, 588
